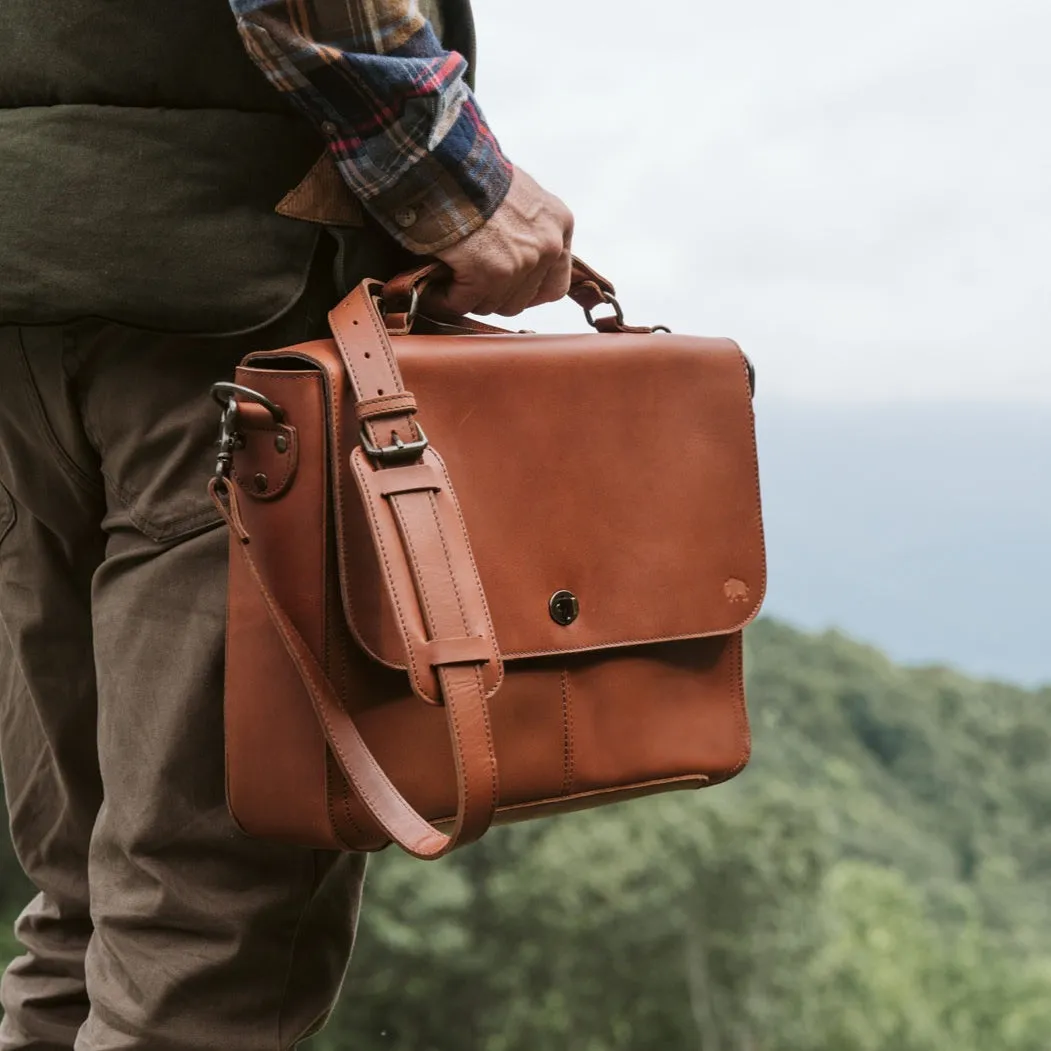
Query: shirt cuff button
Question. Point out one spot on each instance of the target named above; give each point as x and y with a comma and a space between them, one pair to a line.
405, 217
328, 128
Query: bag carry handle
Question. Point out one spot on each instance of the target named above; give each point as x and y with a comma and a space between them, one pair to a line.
401, 297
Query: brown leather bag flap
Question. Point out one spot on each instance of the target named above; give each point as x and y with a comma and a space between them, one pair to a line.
619, 469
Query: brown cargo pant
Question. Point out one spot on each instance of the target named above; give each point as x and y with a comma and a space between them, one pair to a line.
158, 925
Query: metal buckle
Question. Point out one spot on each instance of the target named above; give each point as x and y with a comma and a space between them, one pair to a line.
397, 453
230, 437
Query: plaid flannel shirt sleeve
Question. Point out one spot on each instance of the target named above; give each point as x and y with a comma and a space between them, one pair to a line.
403, 126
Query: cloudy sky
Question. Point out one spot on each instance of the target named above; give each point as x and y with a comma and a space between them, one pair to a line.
859, 193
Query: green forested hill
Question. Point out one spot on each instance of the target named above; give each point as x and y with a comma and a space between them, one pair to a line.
879, 879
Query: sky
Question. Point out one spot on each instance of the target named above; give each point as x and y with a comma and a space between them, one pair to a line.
860, 194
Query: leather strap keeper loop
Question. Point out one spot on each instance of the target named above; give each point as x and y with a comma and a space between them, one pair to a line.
470, 650
416, 478
401, 404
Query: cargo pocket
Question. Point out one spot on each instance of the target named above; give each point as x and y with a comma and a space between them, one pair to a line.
146, 408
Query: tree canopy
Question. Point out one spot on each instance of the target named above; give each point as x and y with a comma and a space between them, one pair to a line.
876, 880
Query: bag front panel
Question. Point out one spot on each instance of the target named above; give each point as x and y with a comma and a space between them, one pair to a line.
622, 469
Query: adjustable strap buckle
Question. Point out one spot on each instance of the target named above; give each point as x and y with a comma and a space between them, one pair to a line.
398, 452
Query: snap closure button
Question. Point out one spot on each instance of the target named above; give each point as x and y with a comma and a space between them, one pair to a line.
564, 607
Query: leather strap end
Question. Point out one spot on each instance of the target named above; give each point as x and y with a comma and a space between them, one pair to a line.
224, 496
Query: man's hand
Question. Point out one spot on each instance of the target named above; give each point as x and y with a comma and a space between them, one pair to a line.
521, 257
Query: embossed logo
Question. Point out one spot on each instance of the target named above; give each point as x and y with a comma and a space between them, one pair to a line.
736, 590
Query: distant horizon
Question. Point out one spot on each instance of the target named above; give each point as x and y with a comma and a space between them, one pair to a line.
923, 529
818, 631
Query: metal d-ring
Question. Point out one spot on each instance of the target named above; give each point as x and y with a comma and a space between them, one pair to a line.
612, 301
410, 314
224, 393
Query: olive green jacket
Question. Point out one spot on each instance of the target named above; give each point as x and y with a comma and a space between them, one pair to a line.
146, 167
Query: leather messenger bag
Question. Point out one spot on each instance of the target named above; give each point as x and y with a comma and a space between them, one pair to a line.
479, 576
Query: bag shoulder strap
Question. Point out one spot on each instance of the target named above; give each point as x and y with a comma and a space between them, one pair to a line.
429, 570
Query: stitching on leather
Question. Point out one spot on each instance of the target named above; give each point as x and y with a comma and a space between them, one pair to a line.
494, 787
447, 678
699, 780
329, 396
749, 617
418, 578
755, 473
393, 591
333, 401
369, 758
740, 711
448, 561
330, 795
341, 459
274, 376
474, 570
406, 536
398, 404
347, 357
524, 654
345, 350
388, 350
345, 788
478, 677
454, 722
567, 740
330, 798
384, 342
617, 643
443, 674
